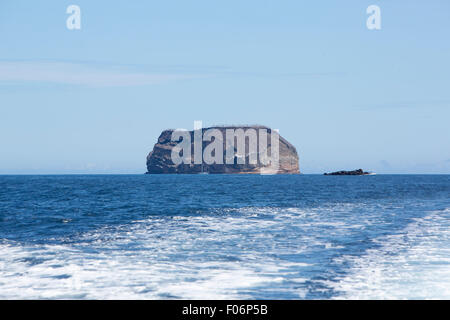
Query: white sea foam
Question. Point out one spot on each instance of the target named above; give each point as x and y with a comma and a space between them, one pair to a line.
414, 264
231, 253
140, 261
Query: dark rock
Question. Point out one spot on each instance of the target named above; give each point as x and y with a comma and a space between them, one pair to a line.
358, 172
160, 161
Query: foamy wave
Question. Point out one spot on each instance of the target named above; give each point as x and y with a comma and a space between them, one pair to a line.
238, 253
414, 264
155, 258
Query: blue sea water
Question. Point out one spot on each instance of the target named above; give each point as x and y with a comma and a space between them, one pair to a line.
225, 236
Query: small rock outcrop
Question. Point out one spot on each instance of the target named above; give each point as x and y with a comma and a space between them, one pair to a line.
160, 159
359, 172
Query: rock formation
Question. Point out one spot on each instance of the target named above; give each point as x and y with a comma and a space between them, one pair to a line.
160, 160
358, 172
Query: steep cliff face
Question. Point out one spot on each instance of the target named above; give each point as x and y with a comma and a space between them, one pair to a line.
160, 160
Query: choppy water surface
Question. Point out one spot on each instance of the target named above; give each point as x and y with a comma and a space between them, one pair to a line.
224, 236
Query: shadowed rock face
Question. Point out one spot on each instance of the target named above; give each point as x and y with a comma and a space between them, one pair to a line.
160, 159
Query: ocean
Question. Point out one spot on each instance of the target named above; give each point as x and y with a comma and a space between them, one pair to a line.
225, 237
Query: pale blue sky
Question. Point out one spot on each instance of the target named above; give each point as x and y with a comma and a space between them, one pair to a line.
96, 99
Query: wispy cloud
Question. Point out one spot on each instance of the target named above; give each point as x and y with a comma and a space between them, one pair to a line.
83, 74
99, 74
435, 103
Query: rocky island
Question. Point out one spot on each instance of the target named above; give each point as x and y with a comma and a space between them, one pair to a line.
243, 153
359, 172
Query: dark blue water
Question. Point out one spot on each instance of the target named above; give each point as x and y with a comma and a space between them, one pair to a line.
225, 236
